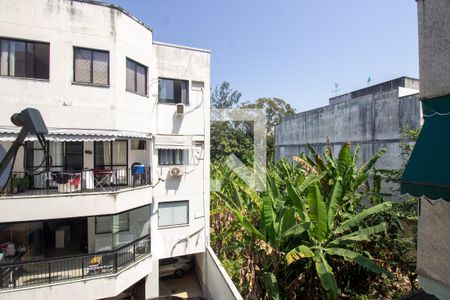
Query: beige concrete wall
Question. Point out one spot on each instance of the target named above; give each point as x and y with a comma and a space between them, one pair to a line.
434, 47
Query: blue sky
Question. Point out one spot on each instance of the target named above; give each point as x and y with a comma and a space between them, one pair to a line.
291, 49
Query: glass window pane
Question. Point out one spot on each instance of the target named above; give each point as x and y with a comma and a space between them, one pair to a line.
100, 67
124, 221
173, 213
141, 80
41, 60
4, 45
56, 152
102, 154
19, 65
166, 91
30, 60
82, 65
119, 152
130, 76
103, 224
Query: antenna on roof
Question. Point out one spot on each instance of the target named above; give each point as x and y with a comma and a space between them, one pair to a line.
336, 89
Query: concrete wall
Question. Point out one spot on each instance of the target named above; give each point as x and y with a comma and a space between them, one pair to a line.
433, 255
193, 65
94, 288
217, 285
434, 47
374, 121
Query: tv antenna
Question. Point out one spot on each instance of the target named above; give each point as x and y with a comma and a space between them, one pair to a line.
336, 89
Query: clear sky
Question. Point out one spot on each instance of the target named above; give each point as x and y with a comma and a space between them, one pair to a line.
292, 49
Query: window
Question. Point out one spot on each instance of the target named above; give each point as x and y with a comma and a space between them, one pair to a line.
172, 156
136, 77
24, 59
91, 66
111, 155
138, 144
104, 224
173, 213
173, 91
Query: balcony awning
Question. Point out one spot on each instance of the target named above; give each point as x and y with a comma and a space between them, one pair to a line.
428, 170
173, 142
9, 134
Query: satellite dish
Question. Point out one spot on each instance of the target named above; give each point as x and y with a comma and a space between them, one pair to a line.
5, 176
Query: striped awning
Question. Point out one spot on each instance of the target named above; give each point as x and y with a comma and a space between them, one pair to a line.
9, 134
173, 142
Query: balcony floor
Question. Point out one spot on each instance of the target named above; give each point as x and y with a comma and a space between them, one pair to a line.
184, 287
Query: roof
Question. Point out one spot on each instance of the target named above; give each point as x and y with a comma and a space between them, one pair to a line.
181, 47
66, 134
427, 171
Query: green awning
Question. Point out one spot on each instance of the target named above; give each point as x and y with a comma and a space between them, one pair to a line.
428, 170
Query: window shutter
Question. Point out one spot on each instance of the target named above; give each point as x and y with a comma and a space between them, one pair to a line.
82, 65
141, 80
100, 68
130, 76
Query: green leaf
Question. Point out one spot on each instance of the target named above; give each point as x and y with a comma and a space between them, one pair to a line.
326, 276
356, 220
345, 158
287, 220
269, 219
355, 154
360, 235
317, 211
296, 230
298, 253
359, 259
333, 202
271, 284
368, 165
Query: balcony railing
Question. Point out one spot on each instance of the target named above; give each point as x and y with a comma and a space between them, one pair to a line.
57, 180
33, 273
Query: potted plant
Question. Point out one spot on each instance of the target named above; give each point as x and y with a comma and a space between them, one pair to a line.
15, 182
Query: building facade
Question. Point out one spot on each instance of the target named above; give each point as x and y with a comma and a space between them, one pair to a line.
426, 174
123, 179
372, 117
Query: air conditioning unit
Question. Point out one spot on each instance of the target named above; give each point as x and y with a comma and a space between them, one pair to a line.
175, 171
180, 109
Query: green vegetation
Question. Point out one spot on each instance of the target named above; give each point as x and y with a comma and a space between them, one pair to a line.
322, 229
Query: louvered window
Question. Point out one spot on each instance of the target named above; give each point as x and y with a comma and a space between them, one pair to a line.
91, 66
136, 77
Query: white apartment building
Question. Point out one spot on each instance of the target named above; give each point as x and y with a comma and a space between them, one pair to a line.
126, 178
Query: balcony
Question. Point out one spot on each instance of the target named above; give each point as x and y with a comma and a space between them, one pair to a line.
18, 275
57, 181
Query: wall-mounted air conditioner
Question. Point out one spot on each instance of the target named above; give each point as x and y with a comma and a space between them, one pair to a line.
180, 109
175, 171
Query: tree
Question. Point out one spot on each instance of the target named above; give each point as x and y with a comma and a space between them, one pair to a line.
276, 110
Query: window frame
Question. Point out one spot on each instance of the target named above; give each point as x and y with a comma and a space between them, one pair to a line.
110, 165
136, 64
127, 213
174, 79
91, 71
184, 157
26, 41
174, 225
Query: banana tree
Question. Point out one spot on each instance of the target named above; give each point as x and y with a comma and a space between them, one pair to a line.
328, 236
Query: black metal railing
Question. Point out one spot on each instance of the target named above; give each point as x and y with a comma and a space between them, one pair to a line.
57, 180
32, 273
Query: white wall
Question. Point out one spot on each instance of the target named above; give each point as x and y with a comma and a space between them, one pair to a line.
192, 65
65, 24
